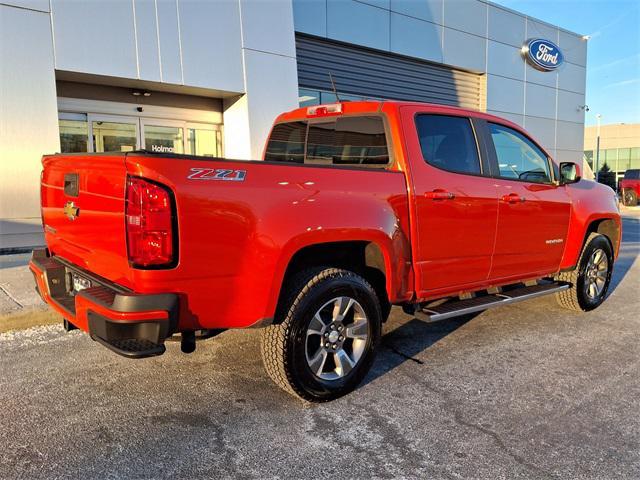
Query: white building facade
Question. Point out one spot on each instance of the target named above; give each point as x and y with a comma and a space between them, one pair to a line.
208, 77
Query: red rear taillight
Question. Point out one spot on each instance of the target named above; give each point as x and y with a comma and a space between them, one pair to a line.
149, 221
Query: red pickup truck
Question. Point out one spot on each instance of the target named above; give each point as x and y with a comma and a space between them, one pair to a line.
629, 187
355, 207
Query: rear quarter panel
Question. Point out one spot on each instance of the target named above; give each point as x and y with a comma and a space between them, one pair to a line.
237, 237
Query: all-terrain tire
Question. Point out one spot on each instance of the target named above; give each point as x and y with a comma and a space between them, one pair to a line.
575, 298
283, 344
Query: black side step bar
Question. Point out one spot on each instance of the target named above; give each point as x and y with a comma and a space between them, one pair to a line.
456, 308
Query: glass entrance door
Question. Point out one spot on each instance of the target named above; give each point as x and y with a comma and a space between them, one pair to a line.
162, 136
204, 140
114, 133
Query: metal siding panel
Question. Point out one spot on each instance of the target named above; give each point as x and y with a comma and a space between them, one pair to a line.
371, 73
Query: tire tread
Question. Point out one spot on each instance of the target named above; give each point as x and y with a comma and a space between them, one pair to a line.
274, 337
569, 298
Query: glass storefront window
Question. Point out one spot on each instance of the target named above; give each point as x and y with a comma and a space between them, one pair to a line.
610, 155
74, 136
163, 139
313, 97
623, 159
308, 97
328, 97
634, 160
114, 137
202, 142
95, 132
588, 156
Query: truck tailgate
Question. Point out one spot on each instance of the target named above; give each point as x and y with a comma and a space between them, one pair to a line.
83, 202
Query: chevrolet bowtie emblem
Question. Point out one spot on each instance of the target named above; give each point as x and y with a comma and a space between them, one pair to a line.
71, 211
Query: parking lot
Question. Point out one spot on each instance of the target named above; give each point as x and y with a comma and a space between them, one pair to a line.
524, 391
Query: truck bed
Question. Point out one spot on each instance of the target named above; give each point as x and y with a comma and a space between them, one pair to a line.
236, 223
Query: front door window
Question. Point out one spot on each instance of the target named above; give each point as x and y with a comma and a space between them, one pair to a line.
518, 157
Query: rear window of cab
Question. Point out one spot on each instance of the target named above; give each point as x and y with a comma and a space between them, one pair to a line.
349, 141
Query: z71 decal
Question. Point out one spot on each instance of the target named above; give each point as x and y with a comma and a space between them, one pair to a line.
217, 174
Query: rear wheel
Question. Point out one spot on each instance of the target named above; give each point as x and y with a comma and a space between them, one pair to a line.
629, 198
328, 335
590, 280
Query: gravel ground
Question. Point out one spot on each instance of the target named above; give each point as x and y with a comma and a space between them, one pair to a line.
524, 391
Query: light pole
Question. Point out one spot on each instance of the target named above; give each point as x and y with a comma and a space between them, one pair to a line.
598, 117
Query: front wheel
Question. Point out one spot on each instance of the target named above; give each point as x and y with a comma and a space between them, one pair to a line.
590, 279
327, 337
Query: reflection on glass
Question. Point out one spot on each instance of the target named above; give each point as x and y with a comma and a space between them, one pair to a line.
163, 139
114, 137
286, 143
308, 97
518, 157
588, 156
202, 142
73, 136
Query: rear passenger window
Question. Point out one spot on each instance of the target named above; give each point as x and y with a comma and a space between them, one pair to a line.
448, 143
357, 141
518, 157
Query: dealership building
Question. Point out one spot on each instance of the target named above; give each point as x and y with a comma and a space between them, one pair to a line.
614, 147
208, 77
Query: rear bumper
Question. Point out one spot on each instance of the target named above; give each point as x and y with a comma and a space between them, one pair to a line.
130, 324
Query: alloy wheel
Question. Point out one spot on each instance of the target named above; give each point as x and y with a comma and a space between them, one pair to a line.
336, 338
596, 274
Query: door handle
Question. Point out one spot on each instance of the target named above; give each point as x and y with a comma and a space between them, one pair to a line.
439, 194
513, 198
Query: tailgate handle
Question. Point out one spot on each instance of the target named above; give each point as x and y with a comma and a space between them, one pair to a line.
71, 184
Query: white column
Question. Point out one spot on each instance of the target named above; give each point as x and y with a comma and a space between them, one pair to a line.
270, 77
28, 120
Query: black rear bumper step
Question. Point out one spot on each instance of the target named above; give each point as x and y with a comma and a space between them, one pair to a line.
133, 347
120, 333
130, 339
455, 308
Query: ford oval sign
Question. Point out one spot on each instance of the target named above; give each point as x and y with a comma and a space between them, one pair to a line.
543, 54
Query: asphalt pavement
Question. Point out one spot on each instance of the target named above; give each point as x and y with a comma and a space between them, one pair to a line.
522, 391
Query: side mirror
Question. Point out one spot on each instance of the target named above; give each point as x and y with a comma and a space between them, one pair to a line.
569, 173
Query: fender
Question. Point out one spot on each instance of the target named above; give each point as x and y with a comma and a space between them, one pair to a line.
591, 203
394, 246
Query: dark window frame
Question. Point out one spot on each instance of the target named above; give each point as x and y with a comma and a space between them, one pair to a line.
493, 155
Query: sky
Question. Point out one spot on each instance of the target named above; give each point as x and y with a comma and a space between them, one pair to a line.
613, 52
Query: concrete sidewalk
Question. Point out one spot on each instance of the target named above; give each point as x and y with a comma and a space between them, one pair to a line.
17, 288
